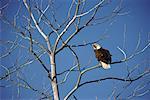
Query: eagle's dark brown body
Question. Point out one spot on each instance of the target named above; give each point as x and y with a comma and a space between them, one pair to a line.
103, 55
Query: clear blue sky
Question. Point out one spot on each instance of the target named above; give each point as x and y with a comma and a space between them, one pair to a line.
138, 20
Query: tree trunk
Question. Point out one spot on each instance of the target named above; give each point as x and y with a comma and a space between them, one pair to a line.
54, 78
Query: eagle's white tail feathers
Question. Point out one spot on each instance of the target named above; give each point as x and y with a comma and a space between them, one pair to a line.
104, 65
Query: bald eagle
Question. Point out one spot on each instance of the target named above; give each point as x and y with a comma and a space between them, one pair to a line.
102, 55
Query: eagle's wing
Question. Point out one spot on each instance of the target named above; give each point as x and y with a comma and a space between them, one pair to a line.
103, 55
107, 56
99, 55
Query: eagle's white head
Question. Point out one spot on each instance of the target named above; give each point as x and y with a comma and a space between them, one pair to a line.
96, 46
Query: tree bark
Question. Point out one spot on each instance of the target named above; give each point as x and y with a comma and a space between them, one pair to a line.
54, 78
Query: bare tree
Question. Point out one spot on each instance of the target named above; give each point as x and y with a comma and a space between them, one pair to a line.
41, 34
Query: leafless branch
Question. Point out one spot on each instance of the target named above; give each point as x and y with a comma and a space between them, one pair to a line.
41, 62
11, 49
120, 79
35, 22
28, 62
